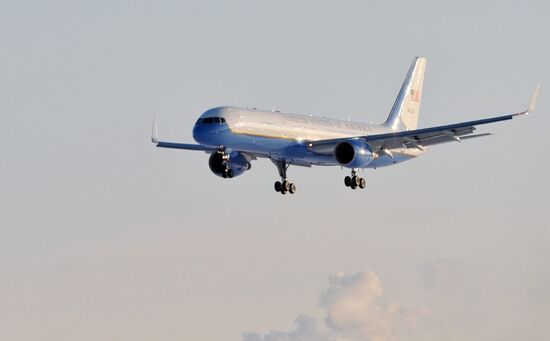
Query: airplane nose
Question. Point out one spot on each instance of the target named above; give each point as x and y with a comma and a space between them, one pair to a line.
203, 134
208, 134
197, 133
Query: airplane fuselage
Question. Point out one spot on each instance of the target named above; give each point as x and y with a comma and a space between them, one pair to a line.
284, 136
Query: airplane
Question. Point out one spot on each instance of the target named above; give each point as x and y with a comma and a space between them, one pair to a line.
234, 137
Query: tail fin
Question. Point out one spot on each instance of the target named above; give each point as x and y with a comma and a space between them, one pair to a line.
405, 110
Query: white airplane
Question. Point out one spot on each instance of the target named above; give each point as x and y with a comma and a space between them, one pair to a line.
236, 136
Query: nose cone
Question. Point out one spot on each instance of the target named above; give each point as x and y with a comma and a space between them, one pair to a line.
200, 134
209, 134
211, 127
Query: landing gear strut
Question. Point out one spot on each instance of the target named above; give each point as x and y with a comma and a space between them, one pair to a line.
226, 161
284, 186
355, 181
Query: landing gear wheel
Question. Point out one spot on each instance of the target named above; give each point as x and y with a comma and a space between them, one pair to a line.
354, 180
286, 186
347, 181
292, 188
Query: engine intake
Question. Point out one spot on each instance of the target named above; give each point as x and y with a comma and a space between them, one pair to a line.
353, 154
238, 164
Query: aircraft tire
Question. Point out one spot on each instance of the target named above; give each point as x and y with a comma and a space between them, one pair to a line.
347, 181
292, 188
362, 183
277, 186
286, 186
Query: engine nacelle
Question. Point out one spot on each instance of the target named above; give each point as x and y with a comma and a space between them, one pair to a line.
353, 154
238, 164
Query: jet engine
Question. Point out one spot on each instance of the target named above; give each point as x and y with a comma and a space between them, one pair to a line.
353, 154
228, 165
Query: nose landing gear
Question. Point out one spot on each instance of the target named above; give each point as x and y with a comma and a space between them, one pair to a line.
284, 186
355, 181
226, 161
228, 173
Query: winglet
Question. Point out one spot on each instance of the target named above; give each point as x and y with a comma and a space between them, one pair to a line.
154, 133
533, 103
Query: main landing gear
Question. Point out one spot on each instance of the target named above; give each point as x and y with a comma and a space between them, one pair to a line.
284, 186
355, 181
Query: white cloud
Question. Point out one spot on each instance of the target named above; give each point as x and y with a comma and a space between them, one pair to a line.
355, 311
307, 329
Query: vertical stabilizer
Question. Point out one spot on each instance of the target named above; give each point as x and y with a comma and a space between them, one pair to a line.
405, 110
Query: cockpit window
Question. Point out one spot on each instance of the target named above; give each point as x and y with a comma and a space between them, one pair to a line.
211, 120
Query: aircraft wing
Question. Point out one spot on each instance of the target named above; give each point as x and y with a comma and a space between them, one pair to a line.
186, 146
175, 145
419, 138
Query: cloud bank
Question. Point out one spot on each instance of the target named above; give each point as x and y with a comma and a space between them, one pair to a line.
355, 311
